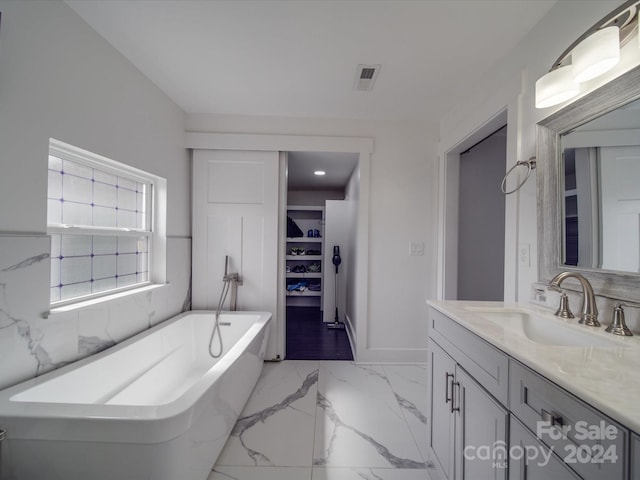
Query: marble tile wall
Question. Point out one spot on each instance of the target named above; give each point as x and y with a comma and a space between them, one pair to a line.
31, 344
331, 420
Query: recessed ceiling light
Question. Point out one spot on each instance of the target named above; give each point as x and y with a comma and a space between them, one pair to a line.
319, 172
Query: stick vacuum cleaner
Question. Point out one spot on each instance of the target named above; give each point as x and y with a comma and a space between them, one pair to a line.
336, 260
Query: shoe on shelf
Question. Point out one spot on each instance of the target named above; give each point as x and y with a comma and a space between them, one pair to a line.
300, 286
314, 267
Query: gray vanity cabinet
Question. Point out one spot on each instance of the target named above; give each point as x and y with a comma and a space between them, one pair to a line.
468, 426
481, 432
486, 408
635, 456
442, 374
590, 443
539, 464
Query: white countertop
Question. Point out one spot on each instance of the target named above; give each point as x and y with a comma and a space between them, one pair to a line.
606, 377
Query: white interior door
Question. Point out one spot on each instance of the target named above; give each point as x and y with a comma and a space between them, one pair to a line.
235, 213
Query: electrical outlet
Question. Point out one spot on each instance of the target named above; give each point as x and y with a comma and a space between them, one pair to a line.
524, 254
538, 295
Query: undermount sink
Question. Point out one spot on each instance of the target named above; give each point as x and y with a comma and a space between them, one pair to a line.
542, 329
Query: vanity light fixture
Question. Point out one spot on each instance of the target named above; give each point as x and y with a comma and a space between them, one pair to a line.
319, 173
556, 87
594, 53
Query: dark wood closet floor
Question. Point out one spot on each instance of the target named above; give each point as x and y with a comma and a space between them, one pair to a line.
309, 338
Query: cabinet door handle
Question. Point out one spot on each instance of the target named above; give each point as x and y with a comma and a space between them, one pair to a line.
453, 408
448, 399
551, 418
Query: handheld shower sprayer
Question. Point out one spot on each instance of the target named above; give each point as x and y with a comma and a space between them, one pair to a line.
230, 283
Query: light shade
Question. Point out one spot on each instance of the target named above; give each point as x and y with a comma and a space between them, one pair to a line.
319, 172
556, 87
596, 54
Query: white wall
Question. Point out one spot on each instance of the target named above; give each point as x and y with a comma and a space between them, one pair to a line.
352, 197
59, 79
403, 181
510, 84
313, 197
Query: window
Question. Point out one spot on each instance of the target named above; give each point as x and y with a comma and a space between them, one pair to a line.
104, 237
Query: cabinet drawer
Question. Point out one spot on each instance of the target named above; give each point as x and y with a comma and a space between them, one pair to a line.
488, 365
531, 460
587, 441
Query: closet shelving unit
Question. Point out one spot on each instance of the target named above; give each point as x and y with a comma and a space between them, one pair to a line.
307, 218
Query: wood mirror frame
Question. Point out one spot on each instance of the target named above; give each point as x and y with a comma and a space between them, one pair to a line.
616, 93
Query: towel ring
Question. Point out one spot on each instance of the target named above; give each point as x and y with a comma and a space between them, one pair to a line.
530, 164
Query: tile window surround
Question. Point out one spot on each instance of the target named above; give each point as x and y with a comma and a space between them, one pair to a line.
33, 343
80, 195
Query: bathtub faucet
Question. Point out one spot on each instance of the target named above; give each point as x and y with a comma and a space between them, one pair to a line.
234, 280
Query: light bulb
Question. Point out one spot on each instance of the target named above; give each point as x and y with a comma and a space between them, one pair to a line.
596, 54
556, 87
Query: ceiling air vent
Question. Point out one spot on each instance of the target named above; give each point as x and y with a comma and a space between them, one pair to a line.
366, 76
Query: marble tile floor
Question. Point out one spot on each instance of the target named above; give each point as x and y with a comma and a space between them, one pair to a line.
331, 420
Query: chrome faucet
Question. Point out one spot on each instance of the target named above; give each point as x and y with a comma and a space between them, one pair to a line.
618, 325
589, 311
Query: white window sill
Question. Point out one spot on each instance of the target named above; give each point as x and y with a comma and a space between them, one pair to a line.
99, 300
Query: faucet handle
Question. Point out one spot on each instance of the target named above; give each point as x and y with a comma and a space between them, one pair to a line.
563, 309
618, 325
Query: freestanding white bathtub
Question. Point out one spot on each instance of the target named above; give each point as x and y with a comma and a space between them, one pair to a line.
154, 407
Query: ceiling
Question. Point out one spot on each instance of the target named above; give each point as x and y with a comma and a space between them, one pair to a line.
338, 168
299, 58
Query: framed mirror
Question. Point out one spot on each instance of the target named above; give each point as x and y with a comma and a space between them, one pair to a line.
588, 189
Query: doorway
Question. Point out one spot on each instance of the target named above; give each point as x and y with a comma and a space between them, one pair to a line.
449, 256
318, 188
481, 219
272, 298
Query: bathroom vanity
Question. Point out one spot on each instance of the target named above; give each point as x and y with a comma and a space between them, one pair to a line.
517, 393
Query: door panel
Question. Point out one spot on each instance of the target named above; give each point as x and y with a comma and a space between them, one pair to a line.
235, 213
481, 432
442, 369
